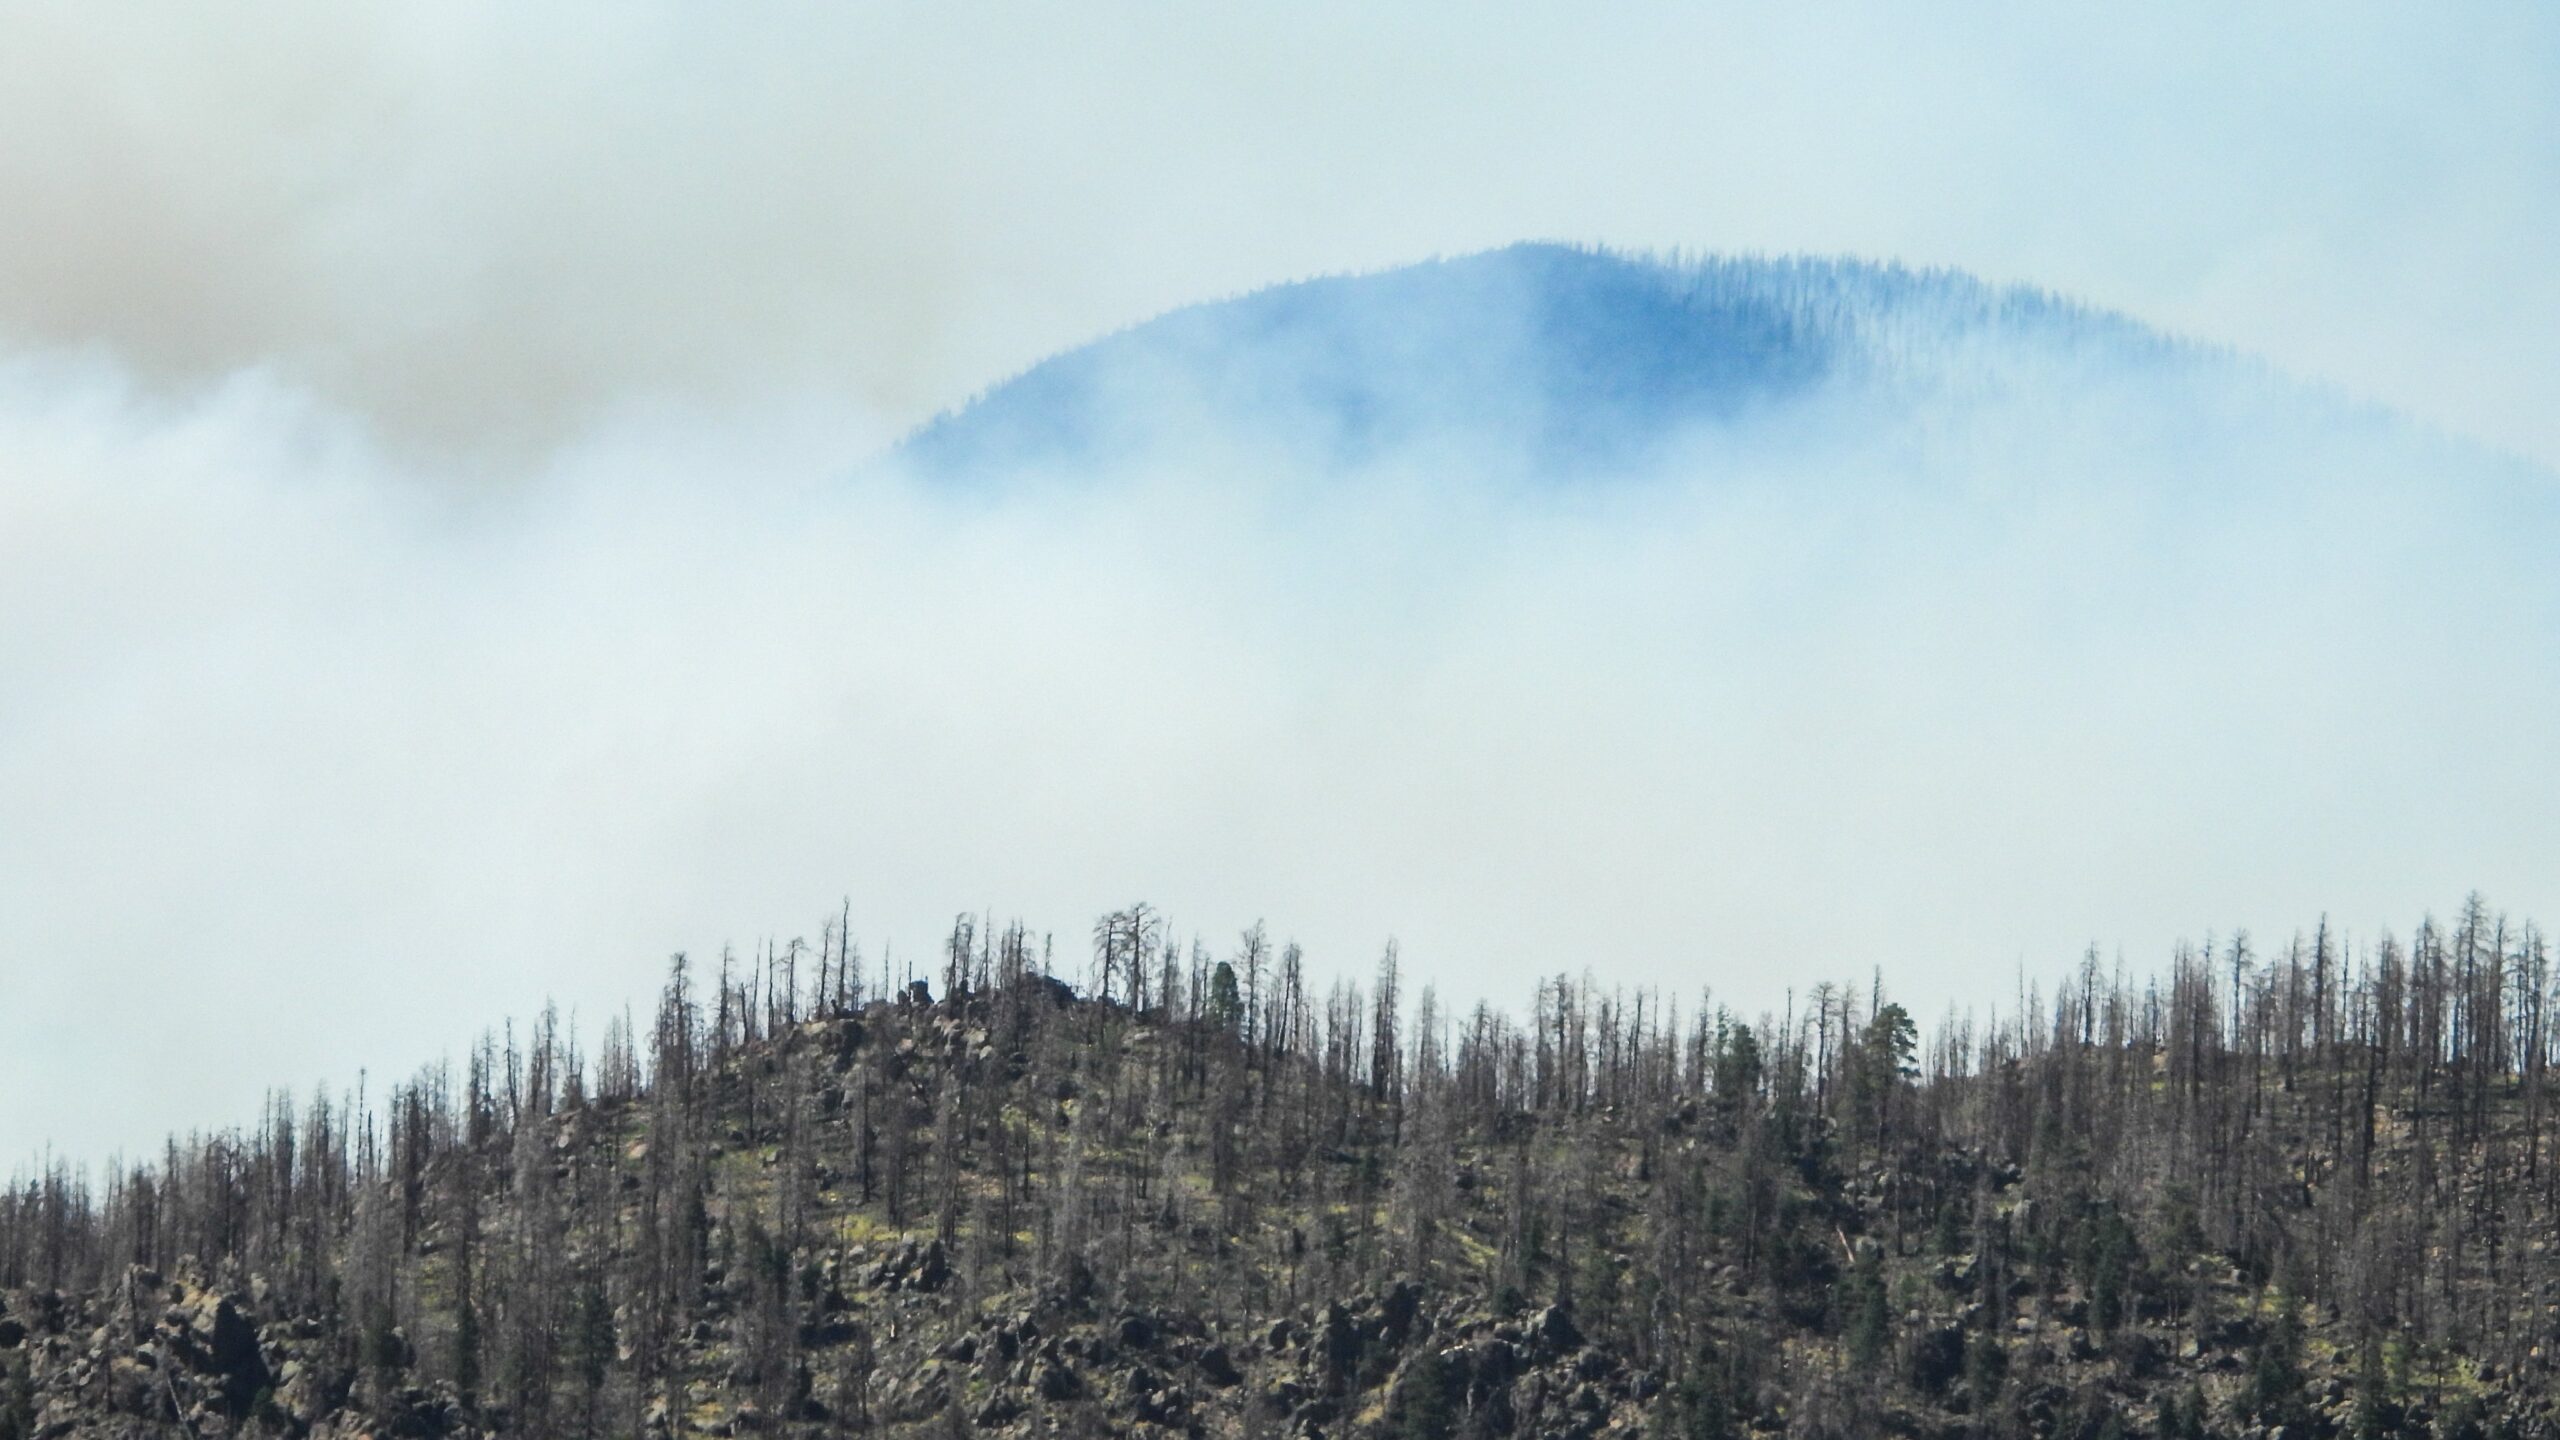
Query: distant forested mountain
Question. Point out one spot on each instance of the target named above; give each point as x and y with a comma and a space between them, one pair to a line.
1171, 1189
1556, 358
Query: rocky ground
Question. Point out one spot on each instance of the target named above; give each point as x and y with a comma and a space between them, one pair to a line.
166, 1356
170, 1357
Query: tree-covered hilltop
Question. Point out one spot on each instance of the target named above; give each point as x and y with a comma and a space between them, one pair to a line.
1562, 359
2299, 1191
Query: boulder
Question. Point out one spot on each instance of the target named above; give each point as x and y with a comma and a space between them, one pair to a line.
226, 1346
1056, 1382
1218, 1367
1555, 1331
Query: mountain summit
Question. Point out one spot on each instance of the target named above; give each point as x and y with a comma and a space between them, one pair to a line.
1553, 356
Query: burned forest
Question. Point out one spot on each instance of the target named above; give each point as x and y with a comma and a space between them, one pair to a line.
1150, 1185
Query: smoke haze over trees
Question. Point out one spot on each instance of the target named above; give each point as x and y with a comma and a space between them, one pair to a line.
1973, 621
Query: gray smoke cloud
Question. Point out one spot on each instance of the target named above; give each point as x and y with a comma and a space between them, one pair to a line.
436, 572
483, 227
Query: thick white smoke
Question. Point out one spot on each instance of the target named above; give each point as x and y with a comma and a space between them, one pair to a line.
316, 759
430, 581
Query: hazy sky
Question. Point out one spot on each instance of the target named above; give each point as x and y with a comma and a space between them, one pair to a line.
423, 586
474, 222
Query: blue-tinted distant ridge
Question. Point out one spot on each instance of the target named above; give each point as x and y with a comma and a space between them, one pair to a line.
1558, 357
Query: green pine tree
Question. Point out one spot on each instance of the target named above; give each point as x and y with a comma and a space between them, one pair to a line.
1420, 1408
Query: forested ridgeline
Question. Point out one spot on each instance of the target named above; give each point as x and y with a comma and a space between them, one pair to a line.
2301, 1190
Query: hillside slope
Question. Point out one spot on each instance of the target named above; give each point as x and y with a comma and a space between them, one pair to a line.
2301, 1196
